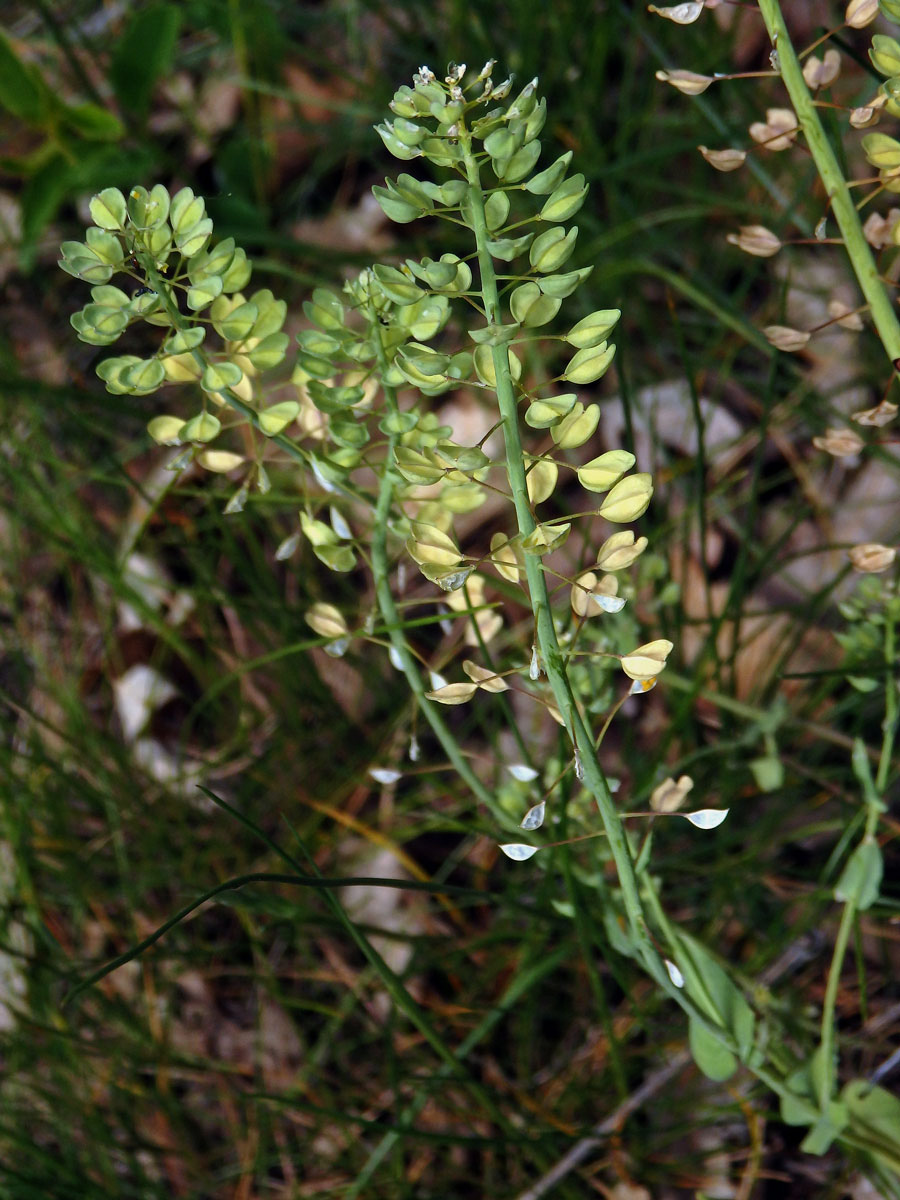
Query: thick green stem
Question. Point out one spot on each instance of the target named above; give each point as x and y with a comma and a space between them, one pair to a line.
547, 642
845, 213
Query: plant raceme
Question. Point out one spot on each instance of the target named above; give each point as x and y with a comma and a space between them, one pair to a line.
387, 480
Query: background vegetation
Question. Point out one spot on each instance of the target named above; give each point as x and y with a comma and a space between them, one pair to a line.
255, 1050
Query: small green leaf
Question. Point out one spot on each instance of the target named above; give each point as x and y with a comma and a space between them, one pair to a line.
874, 1120
93, 123
860, 881
829, 1126
143, 55
713, 1058
21, 89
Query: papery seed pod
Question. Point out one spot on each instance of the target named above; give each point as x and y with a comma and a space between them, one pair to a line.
879, 230
843, 315
669, 795
757, 240
688, 82
724, 160
839, 442
648, 660
822, 72
861, 13
778, 131
681, 14
783, 337
871, 557
326, 620
882, 414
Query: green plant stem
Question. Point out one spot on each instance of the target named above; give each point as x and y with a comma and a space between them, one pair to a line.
873, 792
880, 304
889, 727
388, 608
545, 630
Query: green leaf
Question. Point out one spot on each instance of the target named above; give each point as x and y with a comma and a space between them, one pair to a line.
860, 880
874, 1120
713, 992
548, 180
93, 123
829, 1126
714, 1059
22, 91
144, 54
